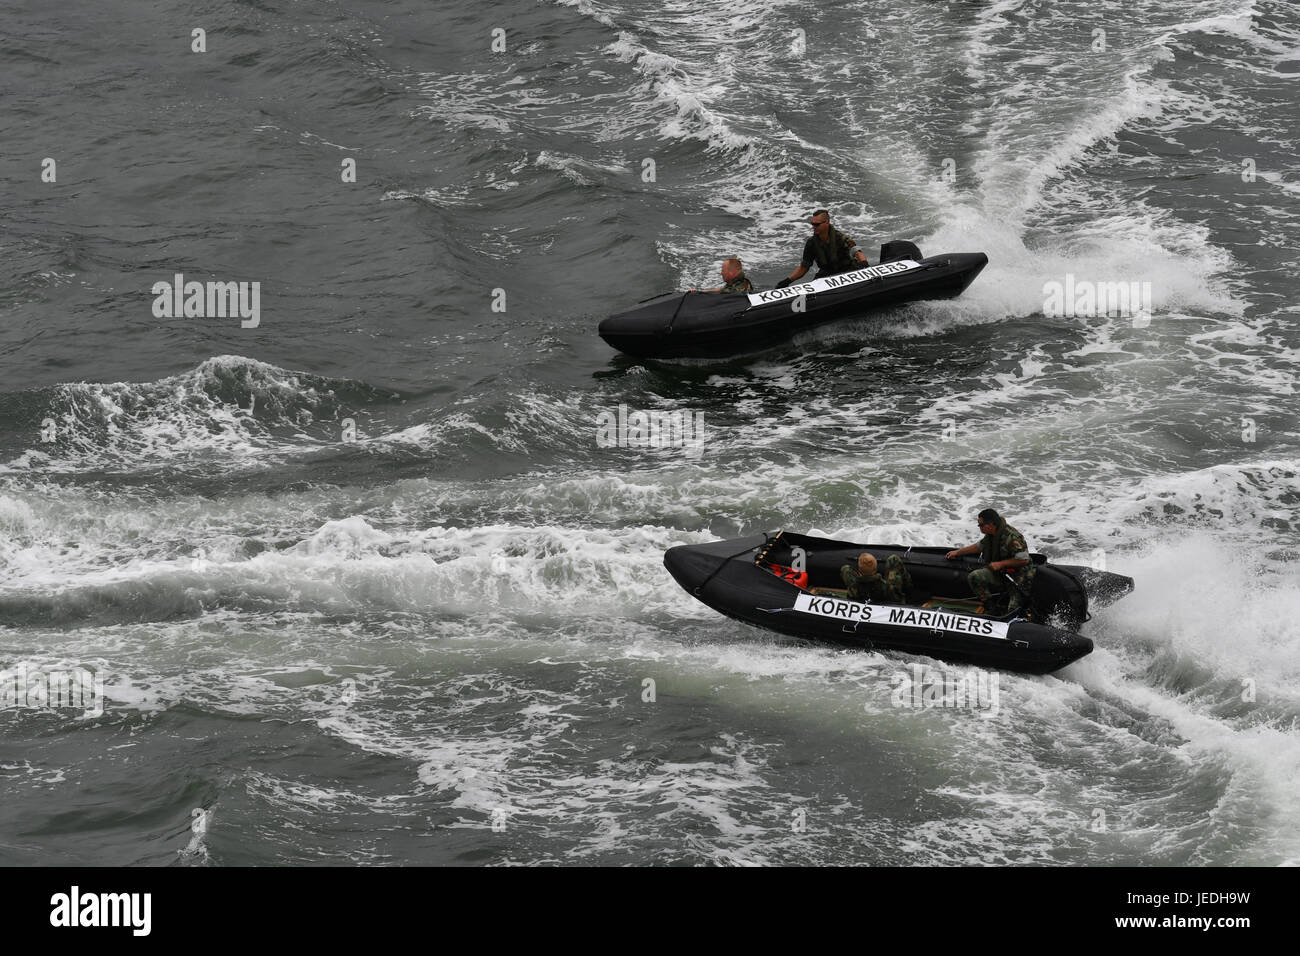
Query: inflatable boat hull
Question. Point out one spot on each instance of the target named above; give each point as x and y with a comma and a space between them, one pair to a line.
714, 325
725, 576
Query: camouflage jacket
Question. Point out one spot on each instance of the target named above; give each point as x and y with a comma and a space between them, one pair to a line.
739, 284
1003, 545
888, 588
832, 256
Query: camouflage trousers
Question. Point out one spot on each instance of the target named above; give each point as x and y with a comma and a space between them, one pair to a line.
984, 583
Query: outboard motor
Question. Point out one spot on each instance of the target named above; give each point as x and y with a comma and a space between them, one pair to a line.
899, 249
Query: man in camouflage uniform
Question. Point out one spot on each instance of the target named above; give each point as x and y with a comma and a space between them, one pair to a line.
865, 584
1003, 549
831, 249
733, 278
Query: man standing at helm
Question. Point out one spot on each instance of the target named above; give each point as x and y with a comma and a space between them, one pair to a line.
1005, 552
831, 249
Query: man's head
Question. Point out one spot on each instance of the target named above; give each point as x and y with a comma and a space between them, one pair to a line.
989, 520
866, 563
731, 269
821, 223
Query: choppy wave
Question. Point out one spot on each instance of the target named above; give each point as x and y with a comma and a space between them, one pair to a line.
228, 409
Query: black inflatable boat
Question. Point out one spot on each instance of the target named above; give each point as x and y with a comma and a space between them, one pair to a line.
791, 583
716, 325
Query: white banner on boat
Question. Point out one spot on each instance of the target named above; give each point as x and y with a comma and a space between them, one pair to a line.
832, 282
892, 615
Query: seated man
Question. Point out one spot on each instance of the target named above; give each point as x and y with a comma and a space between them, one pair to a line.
865, 584
733, 278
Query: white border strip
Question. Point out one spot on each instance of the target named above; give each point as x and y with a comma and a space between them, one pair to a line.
891, 615
832, 282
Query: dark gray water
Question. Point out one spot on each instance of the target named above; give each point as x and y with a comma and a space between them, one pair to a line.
431, 643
